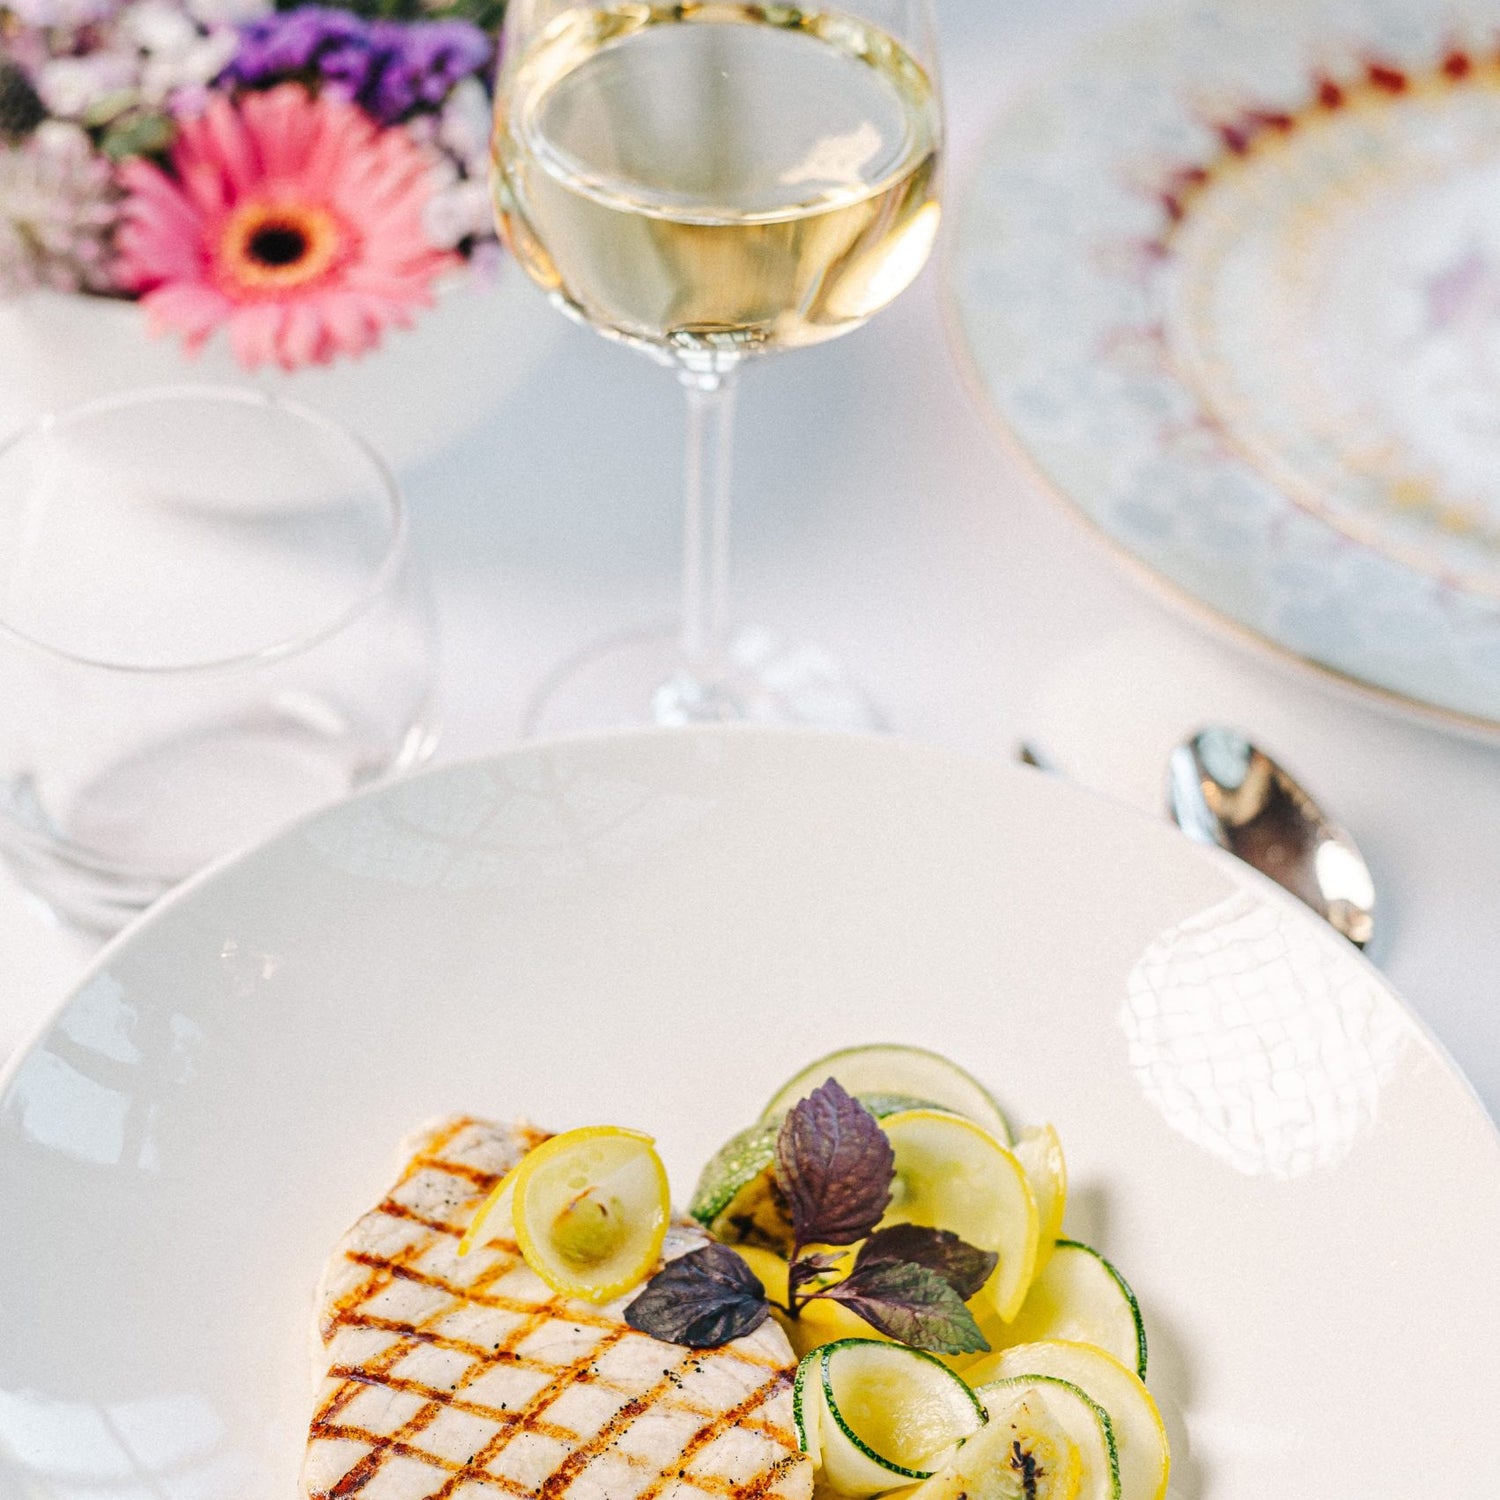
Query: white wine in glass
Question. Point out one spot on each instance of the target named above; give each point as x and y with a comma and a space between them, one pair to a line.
708, 182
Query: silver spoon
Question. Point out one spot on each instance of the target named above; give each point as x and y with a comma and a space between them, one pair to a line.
1222, 790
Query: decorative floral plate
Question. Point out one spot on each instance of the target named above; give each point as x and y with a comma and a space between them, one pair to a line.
1233, 280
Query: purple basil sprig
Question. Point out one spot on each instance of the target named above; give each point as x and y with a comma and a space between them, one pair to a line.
834, 1168
911, 1283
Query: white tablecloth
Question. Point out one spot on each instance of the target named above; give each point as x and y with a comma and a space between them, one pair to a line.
878, 513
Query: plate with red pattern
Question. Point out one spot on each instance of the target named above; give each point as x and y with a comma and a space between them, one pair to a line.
1232, 279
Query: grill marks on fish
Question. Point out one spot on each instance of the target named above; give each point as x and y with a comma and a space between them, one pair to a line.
454, 1379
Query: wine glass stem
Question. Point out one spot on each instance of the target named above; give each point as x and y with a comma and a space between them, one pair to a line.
705, 561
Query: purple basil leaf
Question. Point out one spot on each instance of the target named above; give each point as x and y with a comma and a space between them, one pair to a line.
808, 1267
703, 1299
821, 1260
963, 1266
834, 1167
910, 1303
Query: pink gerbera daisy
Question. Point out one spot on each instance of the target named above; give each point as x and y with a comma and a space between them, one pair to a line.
295, 221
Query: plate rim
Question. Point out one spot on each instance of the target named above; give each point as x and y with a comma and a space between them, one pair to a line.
1236, 870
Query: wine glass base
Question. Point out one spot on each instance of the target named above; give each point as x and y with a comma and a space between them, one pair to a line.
639, 679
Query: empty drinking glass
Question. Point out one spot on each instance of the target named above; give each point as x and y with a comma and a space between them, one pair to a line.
211, 621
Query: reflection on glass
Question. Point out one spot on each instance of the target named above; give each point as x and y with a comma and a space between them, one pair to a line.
1259, 1040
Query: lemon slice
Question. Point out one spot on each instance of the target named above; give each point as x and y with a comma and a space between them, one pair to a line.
1022, 1453
1140, 1437
1086, 1423
591, 1209
953, 1174
910, 1073
877, 1414
1040, 1152
499, 1207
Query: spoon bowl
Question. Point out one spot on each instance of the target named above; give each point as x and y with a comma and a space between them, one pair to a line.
1223, 790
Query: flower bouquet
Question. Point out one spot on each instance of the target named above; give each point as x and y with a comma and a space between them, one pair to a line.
290, 184
298, 177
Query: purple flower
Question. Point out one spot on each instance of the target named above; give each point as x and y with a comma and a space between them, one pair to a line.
296, 41
423, 60
391, 68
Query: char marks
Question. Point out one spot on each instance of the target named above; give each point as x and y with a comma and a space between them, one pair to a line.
452, 1379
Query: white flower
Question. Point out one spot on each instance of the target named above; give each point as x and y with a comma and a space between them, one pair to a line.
456, 212
177, 54
198, 64
460, 207
158, 26
465, 127
57, 208
69, 85
227, 12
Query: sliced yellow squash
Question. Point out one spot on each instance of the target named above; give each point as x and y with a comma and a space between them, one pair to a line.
1040, 1153
1080, 1297
953, 1174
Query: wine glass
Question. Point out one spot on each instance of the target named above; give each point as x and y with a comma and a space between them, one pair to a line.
707, 182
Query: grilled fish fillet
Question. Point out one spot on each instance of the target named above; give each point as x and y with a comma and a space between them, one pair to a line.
449, 1379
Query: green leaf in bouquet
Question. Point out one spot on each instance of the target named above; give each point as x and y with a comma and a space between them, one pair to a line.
138, 135
108, 108
485, 14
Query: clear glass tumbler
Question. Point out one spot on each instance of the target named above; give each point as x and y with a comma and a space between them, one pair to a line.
211, 621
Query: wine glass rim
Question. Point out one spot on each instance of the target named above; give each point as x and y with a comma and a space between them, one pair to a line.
376, 585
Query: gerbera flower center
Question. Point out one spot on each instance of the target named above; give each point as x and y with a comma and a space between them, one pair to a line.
275, 246
278, 244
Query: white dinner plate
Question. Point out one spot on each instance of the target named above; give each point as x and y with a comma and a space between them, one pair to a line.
1232, 279
657, 930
